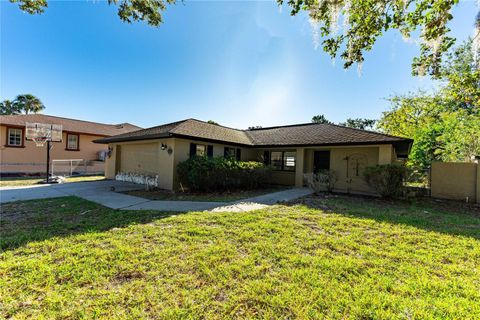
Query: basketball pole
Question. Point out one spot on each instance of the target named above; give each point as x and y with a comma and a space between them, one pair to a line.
48, 162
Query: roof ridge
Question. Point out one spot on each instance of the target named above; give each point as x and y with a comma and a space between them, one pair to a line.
218, 125
363, 130
285, 126
167, 124
65, 118
250, 139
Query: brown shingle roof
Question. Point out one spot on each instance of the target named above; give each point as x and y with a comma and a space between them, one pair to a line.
317, 134
293, 135
189, 128
71, 125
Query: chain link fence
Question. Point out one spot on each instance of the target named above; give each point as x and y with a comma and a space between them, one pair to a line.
76, 167
59, 167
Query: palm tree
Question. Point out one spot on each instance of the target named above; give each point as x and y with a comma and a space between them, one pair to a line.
29, 103
9, 107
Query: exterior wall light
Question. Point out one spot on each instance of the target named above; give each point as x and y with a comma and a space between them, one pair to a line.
163, 146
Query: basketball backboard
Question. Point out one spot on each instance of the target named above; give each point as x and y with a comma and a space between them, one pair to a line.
42, 132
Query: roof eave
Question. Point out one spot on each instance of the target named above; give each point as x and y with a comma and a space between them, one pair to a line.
127, 139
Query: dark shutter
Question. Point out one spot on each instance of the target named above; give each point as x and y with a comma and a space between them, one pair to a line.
193, 150
225, 152
210, 151
266, 157
239, 154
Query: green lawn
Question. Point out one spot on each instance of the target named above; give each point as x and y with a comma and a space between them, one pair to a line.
335, 257
211, 196
28, 181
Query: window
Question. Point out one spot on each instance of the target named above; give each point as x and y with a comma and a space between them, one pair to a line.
201, 150
229, 152
276, 160
289, 161
321, 161
72, 141
282, 160
15, 136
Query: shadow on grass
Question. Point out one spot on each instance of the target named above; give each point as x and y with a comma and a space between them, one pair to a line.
450, 217
36, 220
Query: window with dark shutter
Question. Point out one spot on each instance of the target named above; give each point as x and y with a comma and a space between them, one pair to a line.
193, 150
229, 152
210, 151
239, 154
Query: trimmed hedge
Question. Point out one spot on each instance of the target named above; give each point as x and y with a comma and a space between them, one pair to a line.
386, 179
219, 173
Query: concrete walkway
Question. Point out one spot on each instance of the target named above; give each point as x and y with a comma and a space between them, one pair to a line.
106, 193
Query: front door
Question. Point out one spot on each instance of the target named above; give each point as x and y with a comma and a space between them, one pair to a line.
321, 161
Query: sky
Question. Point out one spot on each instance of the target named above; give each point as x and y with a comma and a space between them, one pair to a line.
239, 63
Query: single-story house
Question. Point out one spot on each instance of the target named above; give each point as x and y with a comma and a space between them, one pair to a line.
19, 155
291, 150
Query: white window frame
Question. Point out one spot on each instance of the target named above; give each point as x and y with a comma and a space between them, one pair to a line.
18, 135
77, 136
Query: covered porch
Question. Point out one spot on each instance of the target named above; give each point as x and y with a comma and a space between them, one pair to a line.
348, 162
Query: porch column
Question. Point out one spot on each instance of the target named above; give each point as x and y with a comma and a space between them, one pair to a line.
299, 164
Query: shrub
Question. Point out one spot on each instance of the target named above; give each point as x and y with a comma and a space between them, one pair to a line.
219, 173
386, 179
324, 180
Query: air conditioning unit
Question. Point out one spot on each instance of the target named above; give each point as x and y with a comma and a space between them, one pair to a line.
102, 155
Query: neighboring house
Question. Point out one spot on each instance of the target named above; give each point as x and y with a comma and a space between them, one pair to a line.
20, 155
291, 150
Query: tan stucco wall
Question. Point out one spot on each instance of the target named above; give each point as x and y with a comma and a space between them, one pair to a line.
478, 183
386, 154
456, 181
33, 159
110, 162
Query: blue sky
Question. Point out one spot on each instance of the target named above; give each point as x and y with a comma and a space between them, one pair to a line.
238, 63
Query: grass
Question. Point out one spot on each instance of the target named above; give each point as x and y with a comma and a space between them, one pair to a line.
334, 257
28, 181
210, 196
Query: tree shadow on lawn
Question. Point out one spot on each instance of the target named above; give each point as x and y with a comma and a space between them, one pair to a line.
450, 217
36, 220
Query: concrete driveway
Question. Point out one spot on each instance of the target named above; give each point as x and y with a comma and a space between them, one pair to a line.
105, 192
96, 191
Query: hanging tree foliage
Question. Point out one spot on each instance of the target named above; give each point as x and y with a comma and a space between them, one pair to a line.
444, 124
363, 22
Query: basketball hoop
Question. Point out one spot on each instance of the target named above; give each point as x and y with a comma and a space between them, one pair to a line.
40, 141
42, 133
